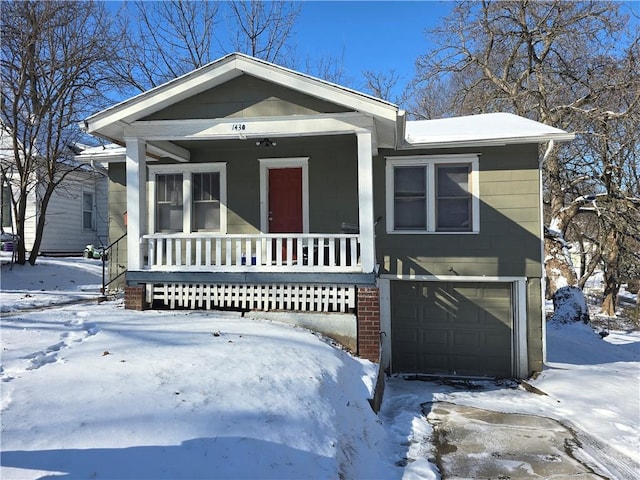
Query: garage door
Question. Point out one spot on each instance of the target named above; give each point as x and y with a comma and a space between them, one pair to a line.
452, 328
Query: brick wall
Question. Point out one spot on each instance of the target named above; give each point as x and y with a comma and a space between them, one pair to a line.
368, 313
134, 298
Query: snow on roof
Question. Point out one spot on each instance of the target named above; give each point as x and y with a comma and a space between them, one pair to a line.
484, 129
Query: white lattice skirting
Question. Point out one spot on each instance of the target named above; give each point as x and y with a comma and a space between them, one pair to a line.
301, 298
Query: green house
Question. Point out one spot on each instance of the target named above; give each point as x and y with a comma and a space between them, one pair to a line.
251, 186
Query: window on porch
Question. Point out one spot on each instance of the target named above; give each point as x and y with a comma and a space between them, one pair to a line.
188, 198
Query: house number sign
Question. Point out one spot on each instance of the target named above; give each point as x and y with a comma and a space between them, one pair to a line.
238, 127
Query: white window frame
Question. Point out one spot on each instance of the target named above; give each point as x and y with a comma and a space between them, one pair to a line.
187, 172
91, 228
430, 162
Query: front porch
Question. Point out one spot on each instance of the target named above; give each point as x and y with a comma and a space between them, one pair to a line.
276, 252
297, 272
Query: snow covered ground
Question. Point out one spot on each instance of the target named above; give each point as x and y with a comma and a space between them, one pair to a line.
95, 391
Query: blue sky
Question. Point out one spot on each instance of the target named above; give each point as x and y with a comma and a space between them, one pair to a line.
366, 35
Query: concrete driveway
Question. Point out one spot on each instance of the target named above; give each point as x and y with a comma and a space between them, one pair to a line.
464, 442
476, 443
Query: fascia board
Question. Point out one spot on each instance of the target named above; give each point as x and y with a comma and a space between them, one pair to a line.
494, 142
319, 88
154, 100
221, 71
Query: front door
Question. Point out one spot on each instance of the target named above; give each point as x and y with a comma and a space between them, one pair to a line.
285, 203
285, 200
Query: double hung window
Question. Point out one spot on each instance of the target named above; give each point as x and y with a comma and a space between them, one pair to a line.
432, 194
88, 211
188, 199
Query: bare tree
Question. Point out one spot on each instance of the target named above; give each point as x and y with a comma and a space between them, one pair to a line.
54, 57
328, 67
163, 40
263, 28
382, 84
572, 65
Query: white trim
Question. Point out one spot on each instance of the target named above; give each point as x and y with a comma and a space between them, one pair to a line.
519, 343
454, 278
365, 202
136, 174
253, 127
430, 162
543, 276
292, 162
228, 68
186, 171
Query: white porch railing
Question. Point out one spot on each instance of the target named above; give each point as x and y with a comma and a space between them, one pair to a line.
279, 252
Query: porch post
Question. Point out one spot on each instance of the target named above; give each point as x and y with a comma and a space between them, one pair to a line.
136, 200
365, 201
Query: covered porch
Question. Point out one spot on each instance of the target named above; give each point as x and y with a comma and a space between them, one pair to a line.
340, 249
248, 263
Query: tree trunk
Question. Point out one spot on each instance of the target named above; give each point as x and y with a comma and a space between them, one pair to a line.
611, 277
610, 297
43, 204
558, 265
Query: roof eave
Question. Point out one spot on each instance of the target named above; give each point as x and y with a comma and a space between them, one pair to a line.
107, 123
494, 142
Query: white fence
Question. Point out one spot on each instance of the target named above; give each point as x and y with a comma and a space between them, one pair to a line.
262, 252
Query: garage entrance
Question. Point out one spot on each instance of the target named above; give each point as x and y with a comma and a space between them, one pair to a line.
452, 328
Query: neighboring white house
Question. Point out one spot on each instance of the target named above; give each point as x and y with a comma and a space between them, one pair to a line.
77, 214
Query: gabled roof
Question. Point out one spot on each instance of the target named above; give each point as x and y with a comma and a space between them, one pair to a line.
110, 123
480, 130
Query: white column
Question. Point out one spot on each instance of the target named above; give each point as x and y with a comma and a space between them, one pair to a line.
136, 201
365, 202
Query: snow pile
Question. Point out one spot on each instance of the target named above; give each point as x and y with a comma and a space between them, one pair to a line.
96, 391
109, 394
569, 305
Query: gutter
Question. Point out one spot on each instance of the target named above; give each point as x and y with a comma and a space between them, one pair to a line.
497, 142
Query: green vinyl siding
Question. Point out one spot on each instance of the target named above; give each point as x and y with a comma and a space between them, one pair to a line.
508, 243
246, 97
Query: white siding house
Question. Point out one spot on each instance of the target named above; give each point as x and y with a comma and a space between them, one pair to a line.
77, 214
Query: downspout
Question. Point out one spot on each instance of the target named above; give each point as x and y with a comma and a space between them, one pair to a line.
543, 281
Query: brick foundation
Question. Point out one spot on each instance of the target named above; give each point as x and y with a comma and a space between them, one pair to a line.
134, 298
368, 313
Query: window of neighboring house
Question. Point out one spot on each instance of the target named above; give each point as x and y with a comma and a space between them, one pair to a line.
88, 211
6, 207
432, 194
189, 200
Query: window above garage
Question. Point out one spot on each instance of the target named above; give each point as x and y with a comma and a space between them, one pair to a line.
432, 194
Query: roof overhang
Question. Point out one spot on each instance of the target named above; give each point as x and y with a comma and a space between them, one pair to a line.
490, 129
112, 123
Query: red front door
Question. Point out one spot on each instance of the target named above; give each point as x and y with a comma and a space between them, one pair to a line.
285, 204
285, 200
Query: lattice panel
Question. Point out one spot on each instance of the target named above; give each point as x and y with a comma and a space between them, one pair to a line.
302, 298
